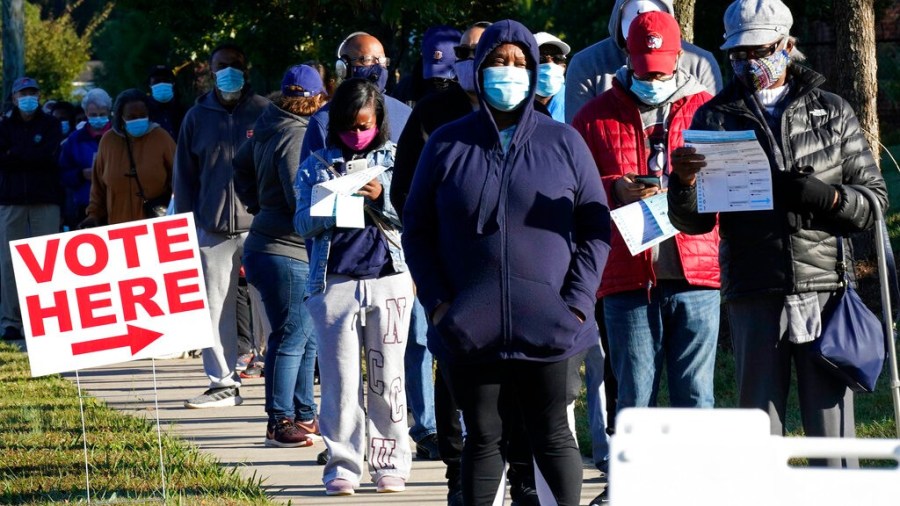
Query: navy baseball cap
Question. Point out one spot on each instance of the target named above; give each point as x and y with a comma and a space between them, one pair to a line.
24, 83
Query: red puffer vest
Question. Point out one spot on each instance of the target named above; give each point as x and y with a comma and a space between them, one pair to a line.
611, 125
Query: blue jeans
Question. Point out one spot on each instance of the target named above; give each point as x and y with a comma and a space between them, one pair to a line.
675, 323
292, 345
594, 372
419, 375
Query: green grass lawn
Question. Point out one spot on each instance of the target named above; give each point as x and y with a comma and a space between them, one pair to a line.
42, 452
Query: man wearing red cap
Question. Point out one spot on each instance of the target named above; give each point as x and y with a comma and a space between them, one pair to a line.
661, 305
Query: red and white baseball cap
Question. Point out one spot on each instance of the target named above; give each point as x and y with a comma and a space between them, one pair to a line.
654, 41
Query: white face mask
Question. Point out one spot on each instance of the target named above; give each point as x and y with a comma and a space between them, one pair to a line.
632, 9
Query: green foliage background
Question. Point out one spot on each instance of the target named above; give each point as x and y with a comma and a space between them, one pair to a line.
54, 52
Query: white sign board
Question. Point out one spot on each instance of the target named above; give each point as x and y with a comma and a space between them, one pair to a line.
111, 294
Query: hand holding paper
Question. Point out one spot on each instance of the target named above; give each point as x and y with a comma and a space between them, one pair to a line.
336, 197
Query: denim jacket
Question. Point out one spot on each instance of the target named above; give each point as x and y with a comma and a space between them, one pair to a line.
318, 230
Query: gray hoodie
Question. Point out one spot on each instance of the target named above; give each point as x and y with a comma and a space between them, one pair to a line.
209, 138
591, 70
264, 172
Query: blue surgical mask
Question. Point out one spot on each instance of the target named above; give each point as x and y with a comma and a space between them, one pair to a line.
98, 122
653, 92
65, 127
374, 73
28, 104
137, 127
551, 78
230, 80
465, 74
163, 92
506, 87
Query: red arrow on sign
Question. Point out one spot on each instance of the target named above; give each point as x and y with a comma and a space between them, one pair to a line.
136, 338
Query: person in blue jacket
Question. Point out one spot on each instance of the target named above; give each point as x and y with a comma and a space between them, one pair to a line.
76, 157
506, 235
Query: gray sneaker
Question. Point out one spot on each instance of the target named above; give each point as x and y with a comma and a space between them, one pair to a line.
216, 398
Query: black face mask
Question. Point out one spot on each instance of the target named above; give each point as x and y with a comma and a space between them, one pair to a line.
440, 84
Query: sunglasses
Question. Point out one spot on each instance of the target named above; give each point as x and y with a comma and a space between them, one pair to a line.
558, 59
754, 53
464, 52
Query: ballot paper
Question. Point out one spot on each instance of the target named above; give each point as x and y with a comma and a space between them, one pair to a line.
335, 198
737, 176
645, 223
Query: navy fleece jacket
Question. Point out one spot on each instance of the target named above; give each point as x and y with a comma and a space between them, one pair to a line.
513, 242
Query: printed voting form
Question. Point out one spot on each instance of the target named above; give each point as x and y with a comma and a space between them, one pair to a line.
645, 223
336, 197
737, 176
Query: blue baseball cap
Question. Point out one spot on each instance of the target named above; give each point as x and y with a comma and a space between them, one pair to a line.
302, 81
24, 83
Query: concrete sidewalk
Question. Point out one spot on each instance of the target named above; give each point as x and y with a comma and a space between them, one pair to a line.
234, 435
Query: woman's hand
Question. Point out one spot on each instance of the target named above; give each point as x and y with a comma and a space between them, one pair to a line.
627, 191
88, 222
371, 190
686, 163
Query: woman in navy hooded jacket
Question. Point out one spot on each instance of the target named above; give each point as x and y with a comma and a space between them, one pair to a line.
506, 235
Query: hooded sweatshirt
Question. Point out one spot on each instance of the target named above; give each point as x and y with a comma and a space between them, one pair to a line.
114, 192
511, 239
591, 70
265, 169
209, 138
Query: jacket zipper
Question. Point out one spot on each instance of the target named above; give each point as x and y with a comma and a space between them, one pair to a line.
506, 315
232, 228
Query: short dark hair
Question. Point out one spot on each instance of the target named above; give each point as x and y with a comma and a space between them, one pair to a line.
125, 98
227, 46
349, 98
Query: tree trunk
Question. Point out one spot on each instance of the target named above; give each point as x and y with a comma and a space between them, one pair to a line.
854, 26
13, 43
684, 13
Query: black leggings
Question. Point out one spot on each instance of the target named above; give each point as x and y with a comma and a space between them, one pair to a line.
538, 391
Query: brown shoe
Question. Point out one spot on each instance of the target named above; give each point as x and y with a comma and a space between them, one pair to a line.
284, 434
309, 428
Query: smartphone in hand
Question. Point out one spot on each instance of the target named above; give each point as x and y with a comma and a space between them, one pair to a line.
648, 181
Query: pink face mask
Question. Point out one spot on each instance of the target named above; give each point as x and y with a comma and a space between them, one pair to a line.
358, 140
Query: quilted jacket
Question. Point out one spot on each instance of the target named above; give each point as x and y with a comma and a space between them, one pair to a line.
611, 125
767, 251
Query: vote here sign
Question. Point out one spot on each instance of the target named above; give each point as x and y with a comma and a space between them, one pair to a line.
111, 294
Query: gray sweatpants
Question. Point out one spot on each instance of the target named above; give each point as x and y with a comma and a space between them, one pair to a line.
19, 222
763, 357
220, 256
373, 313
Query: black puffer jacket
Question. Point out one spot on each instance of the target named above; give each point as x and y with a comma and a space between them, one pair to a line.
774, 251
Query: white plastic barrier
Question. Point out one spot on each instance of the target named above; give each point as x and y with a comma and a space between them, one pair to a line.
716, 457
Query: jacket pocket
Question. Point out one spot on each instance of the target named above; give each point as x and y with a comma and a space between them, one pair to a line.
542, 323
472, 324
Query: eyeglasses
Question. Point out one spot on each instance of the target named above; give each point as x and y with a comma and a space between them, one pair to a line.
464, 52
367, 60
754, 53
558, 59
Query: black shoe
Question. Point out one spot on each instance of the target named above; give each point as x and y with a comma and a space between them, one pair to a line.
523, 495
427, 448
12, 334
601, 499
455, 498
323, 457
